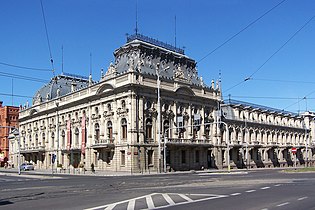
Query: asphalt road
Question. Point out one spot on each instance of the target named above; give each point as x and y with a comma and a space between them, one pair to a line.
263, 189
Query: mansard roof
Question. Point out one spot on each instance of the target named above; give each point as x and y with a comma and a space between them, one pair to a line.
247, 105
59, 86
145, 55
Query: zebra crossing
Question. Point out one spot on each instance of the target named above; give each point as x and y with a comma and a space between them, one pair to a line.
157, 201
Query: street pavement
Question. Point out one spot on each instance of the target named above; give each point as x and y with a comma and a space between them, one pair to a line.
254, 189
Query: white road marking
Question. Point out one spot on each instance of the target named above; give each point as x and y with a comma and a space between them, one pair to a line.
185, 197
131, 204
250, 191
283, 204
277, 185
300, 199
166, 196
114, 204
236, 194
194, 201
168, 199
149, 202
110, 207
265, 188
265, 209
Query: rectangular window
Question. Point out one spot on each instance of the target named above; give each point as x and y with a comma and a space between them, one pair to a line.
183, 156
122, 157
124, 132
150, 157
197, 156
110, 134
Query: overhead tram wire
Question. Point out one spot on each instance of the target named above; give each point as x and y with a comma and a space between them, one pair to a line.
242, 30
24, 67
283, 81
20, 96
267, 97
22, 77
303, 98
51, 57
278, 50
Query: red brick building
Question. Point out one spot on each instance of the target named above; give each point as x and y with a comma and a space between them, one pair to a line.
9, 116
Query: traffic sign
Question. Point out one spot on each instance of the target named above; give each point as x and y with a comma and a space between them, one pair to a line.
53, 158
293, 150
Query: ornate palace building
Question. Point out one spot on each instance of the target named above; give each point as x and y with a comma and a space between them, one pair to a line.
119, 123
264, 137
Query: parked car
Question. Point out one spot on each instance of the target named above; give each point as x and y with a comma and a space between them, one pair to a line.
27, 166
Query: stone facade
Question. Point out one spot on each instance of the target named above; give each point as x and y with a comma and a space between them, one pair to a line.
264, 137
114, 124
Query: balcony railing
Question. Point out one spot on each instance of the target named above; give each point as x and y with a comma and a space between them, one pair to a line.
103, 143
32, 149
189, 141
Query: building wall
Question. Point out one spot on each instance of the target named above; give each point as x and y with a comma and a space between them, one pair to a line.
8, 118
263, 138
114, 124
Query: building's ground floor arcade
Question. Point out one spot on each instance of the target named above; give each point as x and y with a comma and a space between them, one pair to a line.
144, 157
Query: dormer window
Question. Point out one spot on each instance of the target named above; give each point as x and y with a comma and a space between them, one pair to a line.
109, 107
123, 104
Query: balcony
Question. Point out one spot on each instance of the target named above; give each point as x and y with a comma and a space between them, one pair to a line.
255, 143
190, 142
32, 149
103, 143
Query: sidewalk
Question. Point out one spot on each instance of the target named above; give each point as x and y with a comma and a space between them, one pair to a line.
90, 173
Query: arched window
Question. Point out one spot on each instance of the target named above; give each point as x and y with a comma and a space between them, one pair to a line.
97, 132
109, 107
63, 138
110, 131
52, 140
43, 139
96, 110
36, 140
76, 137
148, 128
147, 105
123, 104
124, 128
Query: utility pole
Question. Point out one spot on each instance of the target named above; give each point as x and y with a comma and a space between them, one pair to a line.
158, 71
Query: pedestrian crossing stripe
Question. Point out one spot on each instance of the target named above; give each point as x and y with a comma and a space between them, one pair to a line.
167, 197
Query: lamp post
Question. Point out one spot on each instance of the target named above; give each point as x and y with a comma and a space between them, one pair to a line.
57, 132
217, 123
306, 142
157, 71
246, 142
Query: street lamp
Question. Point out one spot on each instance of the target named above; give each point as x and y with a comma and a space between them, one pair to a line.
15, 134
57, 132
218, 123
157, 71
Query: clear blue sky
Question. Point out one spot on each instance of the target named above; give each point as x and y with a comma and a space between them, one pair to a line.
99, 27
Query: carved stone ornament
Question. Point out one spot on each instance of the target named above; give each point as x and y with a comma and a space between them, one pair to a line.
151, 113
111, 70
186, 116
179, 73
122, 112
169, 114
